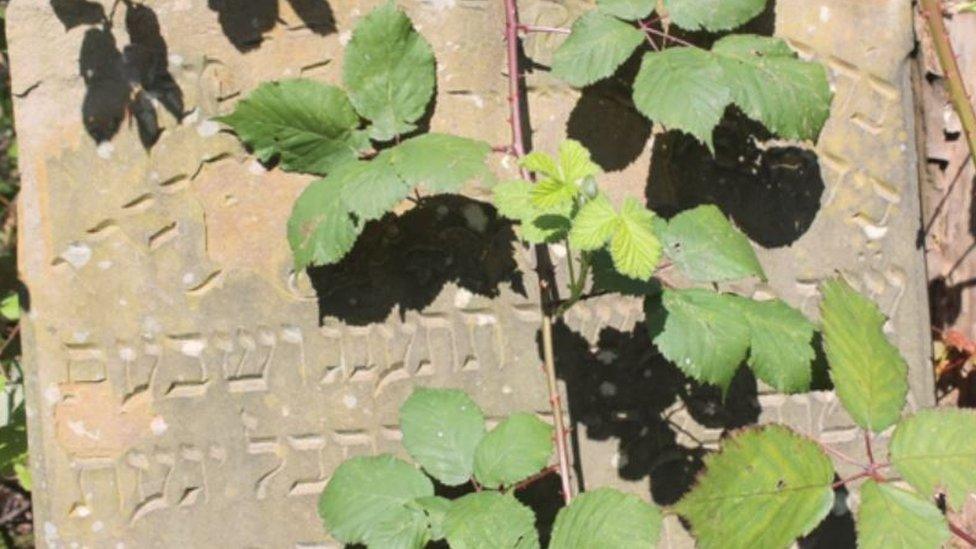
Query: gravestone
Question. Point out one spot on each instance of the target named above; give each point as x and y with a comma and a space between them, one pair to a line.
186, 388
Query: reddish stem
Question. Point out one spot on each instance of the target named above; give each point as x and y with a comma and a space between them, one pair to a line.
666, 36
852, 478
867, 446
536, 477
962, 534
517, 119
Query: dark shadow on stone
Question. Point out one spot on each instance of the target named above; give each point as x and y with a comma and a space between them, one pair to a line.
244, 22
404, 261
128, 82
543, 497
837, 531
945, 300
772, 193
606, 121
622, 388
74, 13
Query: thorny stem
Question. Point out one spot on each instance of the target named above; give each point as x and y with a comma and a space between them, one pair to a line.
932, 13
516, 122
962, 534
867, 447
535, 478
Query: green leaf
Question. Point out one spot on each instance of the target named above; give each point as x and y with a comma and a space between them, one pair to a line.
770, 84
554, 194
596, 46
935, 451
435, 508
311, 125
684, 89
765, 488
608, 519
514, 201
891, 517
10, 307
707, 248
607, 279
490, 520
404, 528
517, 448
372, 188
320, 229
389, 72
713, 15
630, 10
594, 224
704, 335
634, 247
22, 471
367, 496
441, 429
542, 163
781, 344
440, 163
869, 375
575, 163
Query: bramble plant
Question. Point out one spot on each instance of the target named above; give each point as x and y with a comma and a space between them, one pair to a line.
768, 485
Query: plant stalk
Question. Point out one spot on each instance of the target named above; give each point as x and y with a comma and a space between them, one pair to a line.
962, 534
517, 121
932, 13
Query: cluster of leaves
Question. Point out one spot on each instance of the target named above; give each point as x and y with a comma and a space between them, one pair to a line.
383, 501
689, 88
315, 128
767, 486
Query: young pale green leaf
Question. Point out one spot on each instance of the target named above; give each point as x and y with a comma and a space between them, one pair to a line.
713, 15
440, 163
389, 72
514, 201
781, 344
608, 519
312, 126
372, 188
607, 279
683, 89
935, 451
23, 474
634, 247
770, 84
870, 376
765, 488
441, 429
435, 508
630, 10
10, 307
367, 496
891, 517
708, 248
517, 448
594, 224
596, 46
575, 163
554, 194
320, 229
704, 335
490, 520
541, 163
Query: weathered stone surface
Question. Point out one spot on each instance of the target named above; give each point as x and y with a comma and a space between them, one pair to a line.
182, 389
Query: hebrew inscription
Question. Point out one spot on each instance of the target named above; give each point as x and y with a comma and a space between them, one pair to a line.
188, 389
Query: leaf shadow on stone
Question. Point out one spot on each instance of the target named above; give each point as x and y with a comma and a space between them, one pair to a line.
404, 261
127, 82
606, 121
773, 193
244, 22
621, 389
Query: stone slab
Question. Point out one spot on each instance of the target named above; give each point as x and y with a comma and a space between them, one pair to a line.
184, 389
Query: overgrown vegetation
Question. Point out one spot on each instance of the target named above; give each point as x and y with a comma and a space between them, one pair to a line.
768, 485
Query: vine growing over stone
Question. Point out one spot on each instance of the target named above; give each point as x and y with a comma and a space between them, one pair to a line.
768, 485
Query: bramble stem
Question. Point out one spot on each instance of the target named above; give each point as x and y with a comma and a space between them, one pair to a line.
867, 447
962, 534
932, 13
516, 122
666, 36
535, 478
843, 481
